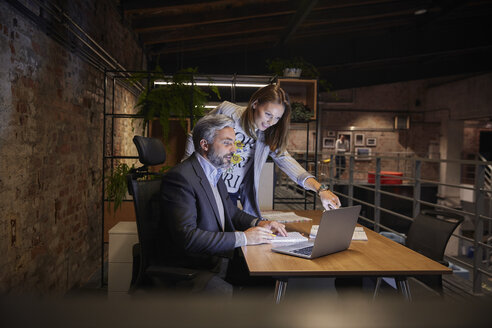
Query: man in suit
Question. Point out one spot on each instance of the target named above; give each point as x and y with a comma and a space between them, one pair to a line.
203, 226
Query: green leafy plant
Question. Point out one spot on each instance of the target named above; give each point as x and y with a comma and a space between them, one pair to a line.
116, 185
277, 66
300, 112
179, 98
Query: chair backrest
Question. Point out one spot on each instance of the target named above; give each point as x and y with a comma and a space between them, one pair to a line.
150, 150
430, 232
145, 187
146, 201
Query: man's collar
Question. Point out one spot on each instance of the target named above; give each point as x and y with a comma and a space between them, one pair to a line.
213, 174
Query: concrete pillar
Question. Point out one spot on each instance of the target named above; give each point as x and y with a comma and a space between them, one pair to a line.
451, 145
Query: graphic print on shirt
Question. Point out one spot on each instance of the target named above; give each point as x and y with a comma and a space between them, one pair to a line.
241, 161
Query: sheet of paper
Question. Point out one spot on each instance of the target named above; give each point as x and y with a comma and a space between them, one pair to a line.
292, 237
283, 217
314, 231
359, 233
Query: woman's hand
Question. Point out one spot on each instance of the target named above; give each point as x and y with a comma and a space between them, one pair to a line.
329, 200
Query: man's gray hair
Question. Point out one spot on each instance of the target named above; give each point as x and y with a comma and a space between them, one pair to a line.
207, 127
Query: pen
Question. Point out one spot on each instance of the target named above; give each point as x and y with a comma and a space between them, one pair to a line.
273, 235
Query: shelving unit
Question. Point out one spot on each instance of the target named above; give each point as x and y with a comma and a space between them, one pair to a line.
109, 156
306, 92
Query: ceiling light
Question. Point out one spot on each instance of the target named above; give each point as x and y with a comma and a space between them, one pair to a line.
217, 84
420, 11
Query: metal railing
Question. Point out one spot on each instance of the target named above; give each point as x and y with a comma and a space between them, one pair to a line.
487, 174
416, 175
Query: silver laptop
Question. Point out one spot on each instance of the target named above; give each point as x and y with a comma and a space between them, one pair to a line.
334, 235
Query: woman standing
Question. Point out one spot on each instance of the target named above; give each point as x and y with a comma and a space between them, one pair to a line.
261, 130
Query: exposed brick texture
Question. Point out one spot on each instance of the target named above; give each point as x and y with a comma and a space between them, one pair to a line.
51, 132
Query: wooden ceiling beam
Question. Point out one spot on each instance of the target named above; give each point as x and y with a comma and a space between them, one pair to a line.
328, 5
215, 44
301, 14
251, 12
408, 15
170, 20
397, 8
212, 31
177, 7
358, 27
399, 60
152, 7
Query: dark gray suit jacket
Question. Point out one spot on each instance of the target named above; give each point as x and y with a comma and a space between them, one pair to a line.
190, 217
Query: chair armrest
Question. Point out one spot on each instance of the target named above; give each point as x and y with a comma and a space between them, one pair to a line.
443, 262
170, 272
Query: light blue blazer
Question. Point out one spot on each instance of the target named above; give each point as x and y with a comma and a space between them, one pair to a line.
248, 190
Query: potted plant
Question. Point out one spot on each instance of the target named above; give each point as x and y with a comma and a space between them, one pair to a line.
116, 185
300, 112
296, 67
178, 97
292, 67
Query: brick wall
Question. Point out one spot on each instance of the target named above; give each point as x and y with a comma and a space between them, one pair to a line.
51, 119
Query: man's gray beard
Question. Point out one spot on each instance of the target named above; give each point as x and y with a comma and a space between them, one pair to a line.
216, 160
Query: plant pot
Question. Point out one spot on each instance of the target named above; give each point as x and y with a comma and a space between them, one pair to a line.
292, 72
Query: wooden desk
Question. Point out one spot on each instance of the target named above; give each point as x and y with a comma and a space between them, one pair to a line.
378, 256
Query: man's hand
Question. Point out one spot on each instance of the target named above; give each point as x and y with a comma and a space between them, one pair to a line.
275, 227
329, 200
258, 235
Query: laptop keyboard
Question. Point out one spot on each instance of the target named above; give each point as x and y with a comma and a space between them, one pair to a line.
304, 251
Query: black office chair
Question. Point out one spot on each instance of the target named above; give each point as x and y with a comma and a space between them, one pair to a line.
149, 265
428, 235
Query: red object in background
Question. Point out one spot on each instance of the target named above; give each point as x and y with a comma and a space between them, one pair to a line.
387, 177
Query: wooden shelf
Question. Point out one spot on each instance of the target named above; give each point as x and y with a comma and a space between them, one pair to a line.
300, 90
176, 140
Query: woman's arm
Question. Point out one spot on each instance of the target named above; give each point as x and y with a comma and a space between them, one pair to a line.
298, 174
328, 199
189, 147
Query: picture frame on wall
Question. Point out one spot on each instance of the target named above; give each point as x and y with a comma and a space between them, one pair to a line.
329, 142
371, 142
359, 139
331, 134
362, 154
348, 137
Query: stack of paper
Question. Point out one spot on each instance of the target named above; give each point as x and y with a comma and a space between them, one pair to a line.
359, 233
292, 237
283, 217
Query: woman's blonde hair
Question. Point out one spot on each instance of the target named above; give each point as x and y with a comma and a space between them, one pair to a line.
276, 135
